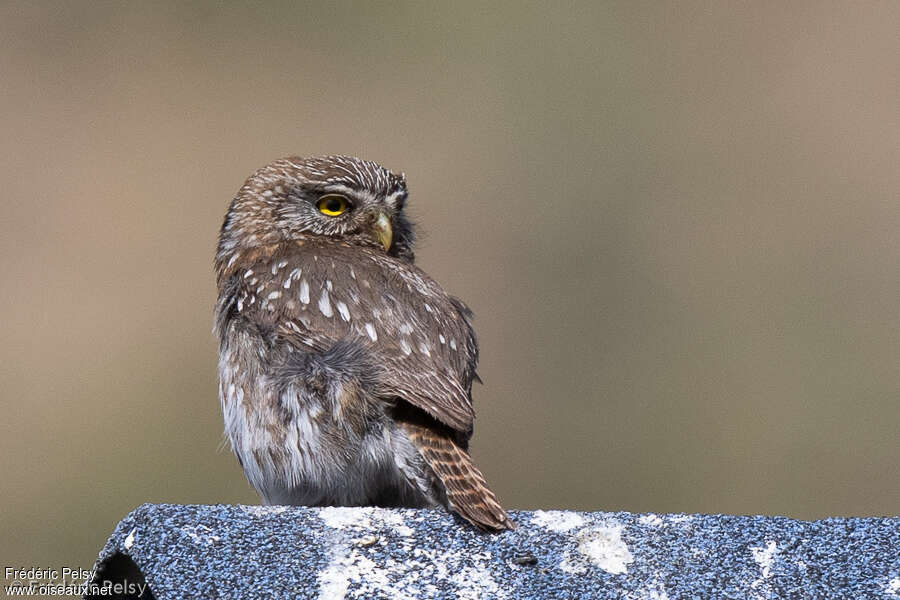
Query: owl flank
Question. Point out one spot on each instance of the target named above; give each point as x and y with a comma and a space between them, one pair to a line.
345, 372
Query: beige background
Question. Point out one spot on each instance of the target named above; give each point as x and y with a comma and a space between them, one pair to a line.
677, 225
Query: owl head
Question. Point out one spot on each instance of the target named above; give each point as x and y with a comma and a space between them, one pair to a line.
334, 198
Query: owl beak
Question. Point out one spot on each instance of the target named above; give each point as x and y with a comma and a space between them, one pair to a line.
383, 231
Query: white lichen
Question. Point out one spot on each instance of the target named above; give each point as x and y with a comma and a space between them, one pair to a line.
765, 557
263, 511
598, 546
474, 583
893, 587
364, 518
603, 546
680, 519
654, 591
341, 517
650, 520
558, 521
201, 534
351, 573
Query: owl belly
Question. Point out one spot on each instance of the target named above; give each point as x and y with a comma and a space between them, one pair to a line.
308, 441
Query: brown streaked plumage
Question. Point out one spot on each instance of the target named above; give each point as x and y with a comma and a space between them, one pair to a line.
345, 372
465, 487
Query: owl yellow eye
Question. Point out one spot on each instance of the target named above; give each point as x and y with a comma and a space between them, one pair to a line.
332, 205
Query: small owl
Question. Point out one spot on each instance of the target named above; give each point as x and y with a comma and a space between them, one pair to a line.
345, 372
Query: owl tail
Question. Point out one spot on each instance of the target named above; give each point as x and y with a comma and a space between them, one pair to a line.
467, 492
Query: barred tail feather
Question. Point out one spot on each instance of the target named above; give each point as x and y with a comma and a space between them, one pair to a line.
467, 492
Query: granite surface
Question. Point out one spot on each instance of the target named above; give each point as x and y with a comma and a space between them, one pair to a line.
332, 553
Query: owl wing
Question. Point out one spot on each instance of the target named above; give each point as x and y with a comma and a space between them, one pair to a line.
420, 337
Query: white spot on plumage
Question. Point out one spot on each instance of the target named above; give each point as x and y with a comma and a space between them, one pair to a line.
325, 304
287, 283
304, 292
406, 329
370, 329
282, 264
267, 193
404, 345
352, 273
442, 338
329, 285
428, 307
273, 295
453, 344
279, 189
424, 349
248, 273
342, 308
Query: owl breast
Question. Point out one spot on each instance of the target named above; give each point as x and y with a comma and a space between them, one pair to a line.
318, 343
309, 427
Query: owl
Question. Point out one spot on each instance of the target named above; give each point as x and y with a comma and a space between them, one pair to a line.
345, 371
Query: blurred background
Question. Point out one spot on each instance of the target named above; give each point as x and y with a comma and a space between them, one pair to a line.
677, 225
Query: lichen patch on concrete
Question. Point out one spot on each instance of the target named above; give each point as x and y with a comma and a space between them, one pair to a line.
474, 583
263, 511
599, 546
364, 518
351, 573
342, 517
200, 534
893, 587
370, 580
129, 541
650, 520
603, 546
764, 556
656, 591
558, 521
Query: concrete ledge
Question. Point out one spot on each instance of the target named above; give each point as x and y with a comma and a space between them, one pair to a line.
332, 553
